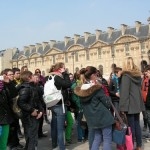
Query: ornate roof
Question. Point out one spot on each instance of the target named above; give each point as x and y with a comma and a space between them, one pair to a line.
139, 32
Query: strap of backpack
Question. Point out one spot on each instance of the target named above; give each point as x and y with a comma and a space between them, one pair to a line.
63, 105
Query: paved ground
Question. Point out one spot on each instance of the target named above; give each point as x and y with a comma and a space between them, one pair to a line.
45, 143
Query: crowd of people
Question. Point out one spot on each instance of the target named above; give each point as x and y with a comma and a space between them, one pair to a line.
86, 98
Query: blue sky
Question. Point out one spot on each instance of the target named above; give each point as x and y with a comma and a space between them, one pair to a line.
27, 22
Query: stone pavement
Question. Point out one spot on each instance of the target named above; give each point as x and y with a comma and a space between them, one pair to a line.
45, 143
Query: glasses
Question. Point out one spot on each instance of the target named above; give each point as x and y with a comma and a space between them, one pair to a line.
10, 74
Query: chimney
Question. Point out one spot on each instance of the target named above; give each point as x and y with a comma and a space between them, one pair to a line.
86, 35
31, 47
38, 45
44, 44
110, 31
98, 32
123, 28
137, 26
52, 42
76, 37
26, 48
66, 38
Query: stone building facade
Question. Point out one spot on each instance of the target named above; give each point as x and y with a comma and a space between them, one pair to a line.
100, 49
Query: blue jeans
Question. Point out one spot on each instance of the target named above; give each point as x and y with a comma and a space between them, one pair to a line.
103, 135
80, 131
91, 134
58, 127
134, 123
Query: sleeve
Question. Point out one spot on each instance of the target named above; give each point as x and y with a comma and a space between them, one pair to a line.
75, 98
12, 90
23, 100
124, 93
104, 99
64, 82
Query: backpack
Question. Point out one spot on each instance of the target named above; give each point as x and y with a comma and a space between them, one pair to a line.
16, 109
51, 95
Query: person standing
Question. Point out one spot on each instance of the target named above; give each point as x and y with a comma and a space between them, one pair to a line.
131, 102
96, 109
40, 90
16, 80
31, 107
6, 117
62, 82
13, 140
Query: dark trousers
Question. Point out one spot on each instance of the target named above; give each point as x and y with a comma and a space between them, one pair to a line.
40, 130
31, 125
134, 123
13, 139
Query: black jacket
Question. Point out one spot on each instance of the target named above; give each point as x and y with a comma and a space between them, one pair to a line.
29, 99
6, 102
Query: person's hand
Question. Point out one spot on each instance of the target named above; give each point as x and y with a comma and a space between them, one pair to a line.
34, 113
39, 115
122, 112
117, 94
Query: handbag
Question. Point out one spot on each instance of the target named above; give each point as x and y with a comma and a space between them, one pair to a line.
128, 139
119, 128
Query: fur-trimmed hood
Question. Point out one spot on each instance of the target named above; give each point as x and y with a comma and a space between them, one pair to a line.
86, 92
134, 75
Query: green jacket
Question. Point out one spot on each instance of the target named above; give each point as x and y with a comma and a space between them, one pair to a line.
95, 106
75, 98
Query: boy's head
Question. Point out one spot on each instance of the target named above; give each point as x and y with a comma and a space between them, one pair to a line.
16, 72
8, 74
26, 76
36, 78
118, 71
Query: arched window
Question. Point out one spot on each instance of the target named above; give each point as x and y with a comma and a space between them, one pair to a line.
100, 68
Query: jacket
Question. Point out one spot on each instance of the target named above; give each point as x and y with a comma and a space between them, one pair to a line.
29, 99
6, 102
147, 104
75, 98
113, 90
131, 100
95, 106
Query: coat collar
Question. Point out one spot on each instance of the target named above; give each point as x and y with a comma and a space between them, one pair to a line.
85, 92
133, 73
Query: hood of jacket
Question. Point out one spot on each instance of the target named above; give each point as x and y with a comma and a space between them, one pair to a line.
134, 75
87, 90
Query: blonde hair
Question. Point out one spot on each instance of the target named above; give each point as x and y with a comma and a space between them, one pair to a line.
129, 65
